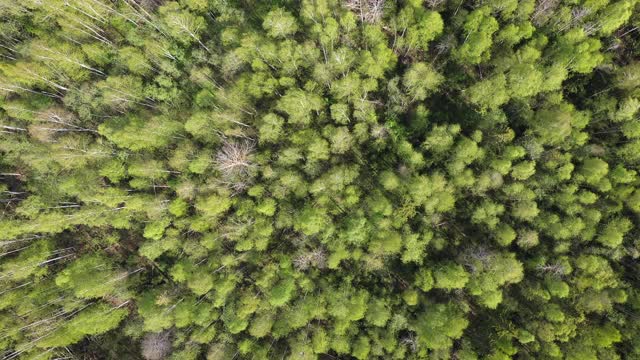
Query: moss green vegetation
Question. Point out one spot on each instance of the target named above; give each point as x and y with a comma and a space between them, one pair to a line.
320, 179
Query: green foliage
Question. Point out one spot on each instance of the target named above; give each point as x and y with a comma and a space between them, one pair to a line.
440, 325
95, 320
136, 133
300, 106
279, 23
419, 26
478, 29
420, 81
310, 179
613, 233
495, 85
89, 277
450, 276
282, 292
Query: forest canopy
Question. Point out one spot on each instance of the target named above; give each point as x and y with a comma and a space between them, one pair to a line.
320, 179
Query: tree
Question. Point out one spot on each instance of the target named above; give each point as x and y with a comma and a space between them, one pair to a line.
479, 27
234, 162
137, 133
282, 292
90, 277
361, 179
576, 43
489, 272
524, 80
487, 213
279, 23
419, 26
613, 233
440, 325
496, 85
182, 25
311, 221
553, 125
271, 128
300, 105
421, 80
156, 346
450, 276
593, 170
96, 320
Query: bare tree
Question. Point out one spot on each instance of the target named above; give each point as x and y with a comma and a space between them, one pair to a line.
156, 346
379, 131
369, 11
233, 161
445, 45
315, 258
476, 256
150, 5
410, 342
556, 269
527, 239
55, 122
578, 13
434, 3
591, 28
544, 9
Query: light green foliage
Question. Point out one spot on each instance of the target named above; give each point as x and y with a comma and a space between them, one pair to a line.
178, 207
311, 221
440, 325
595, 272
134, 60
261, 325
553, 125
525, 210
524, 80
505, 234
349, 305
214, 205
511, 34
279, 23
378, 312
420, 81
182, 25
386, 242
424, 280
361, 179
478, 29
96, 320
496, 86
614, 15
300, 106
613, 233
155, 230
136, 133
579, 52
491, 271
361, 348
27, 263
153, 249
593, 170
282, 292
450, 276
271, 128
90, 277
487, 213
114, 171
419, 26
